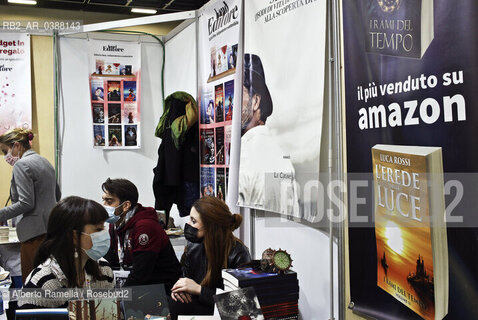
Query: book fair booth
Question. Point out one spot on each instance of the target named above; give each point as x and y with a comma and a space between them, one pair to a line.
341, 131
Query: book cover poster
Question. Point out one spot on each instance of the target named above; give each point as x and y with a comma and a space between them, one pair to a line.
229, 99
99, 135
114, 90
219, 101
208, 181
220, 183
220, 152
207, 107
280, 150
130, 135
445, 116
114, 113
399, 30
115, 73
115, 138
98, 113
239, 304
97, 90
219, 25
105, 309
402, 230
208, 153
129, 90
130, 113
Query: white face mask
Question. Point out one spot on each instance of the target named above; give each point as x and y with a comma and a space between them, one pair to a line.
101, 244
112, 218
9, 158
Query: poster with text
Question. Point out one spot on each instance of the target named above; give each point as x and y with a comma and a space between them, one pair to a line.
15, 82
219, 23
411, 79
114, 68
282, 102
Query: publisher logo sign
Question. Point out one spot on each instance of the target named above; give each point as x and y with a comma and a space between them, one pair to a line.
389, 6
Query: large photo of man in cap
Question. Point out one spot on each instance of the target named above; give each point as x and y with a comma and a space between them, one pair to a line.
266, 174
282, 105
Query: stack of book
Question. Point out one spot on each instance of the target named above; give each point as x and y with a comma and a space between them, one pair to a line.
278, 294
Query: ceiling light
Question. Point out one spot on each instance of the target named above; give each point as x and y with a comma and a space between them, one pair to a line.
30, 2
148, 11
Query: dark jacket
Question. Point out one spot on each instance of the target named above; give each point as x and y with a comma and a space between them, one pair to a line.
195, 267
147, 251
176, 176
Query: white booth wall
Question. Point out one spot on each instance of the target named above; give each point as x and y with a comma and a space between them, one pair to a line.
84, 168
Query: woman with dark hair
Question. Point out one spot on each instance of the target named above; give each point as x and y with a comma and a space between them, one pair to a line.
211, 248
68, 258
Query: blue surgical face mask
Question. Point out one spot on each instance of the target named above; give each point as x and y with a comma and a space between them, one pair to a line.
112, 218
101, 244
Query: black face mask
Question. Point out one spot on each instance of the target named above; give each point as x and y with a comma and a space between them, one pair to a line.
191, 234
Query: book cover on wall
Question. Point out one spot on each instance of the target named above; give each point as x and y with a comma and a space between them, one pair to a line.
208, 153
444, 115
130, 135
219, 101
105, 309
220, 145
207, 107
130, 113
229, 99
399, 30
220, 183
221, 59
147, 302
208, 181
239, 304
99, 135
97, 90
114, 90
98, 113
129, 90
227, 143
114, 113
280, 155
213, 62
115, 138
410, 228
231, 56
227, 182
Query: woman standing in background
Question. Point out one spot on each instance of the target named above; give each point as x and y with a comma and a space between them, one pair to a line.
33, 191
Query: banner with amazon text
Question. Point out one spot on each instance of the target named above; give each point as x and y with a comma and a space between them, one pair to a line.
411, 79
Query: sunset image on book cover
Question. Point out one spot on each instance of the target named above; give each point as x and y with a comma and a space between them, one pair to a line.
410, 228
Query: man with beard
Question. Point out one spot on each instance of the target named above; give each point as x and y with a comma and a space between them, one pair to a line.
266, 174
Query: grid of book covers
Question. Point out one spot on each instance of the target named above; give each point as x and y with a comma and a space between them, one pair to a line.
217, 71
115, 94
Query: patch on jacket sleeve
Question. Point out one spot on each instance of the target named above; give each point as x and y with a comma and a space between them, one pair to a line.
143, 239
